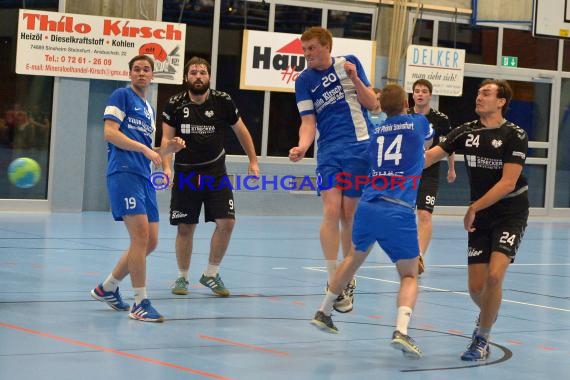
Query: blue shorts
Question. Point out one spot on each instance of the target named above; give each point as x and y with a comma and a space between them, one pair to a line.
132, 194
392, 225
341, 165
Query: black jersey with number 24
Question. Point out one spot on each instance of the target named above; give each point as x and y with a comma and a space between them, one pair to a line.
485, 151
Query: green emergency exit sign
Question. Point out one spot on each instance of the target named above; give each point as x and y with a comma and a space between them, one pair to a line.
509, 61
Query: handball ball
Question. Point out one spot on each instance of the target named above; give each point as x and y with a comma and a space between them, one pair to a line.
24, 172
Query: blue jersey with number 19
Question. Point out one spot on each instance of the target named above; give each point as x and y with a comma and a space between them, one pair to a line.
136, 119
331, 96
396, 155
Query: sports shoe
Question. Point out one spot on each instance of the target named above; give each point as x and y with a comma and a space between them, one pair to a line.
145, 312
112, 299
215, 284
180, 286
406, 344
421, 264
345, 301
478, 350
324, 323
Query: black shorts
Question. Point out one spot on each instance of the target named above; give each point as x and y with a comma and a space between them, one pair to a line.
427, 193
501, 233
208, 185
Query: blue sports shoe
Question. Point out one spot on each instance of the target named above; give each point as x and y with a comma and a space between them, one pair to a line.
478, 350
112, 299
145, 312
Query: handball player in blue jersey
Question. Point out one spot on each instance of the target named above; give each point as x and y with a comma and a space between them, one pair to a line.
129, 131
333, 95
385, 213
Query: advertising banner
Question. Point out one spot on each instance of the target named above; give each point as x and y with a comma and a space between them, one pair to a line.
443, 67
96, 47
273, 61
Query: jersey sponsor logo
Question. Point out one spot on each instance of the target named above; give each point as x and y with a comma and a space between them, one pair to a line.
209, 113
178, 214
483, 162
496, 143
519, 154
329, 97
316, 88
140, 125
474, 252
187, 129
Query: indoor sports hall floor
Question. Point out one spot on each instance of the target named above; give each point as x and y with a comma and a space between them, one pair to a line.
51, 328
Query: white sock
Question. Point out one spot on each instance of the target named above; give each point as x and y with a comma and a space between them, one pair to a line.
328, 301
403, 319
183, 273
140, 294
331, 268
211, 270
110, 284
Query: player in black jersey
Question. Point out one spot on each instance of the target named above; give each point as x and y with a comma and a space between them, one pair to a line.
429, 185
495, 152
200, 116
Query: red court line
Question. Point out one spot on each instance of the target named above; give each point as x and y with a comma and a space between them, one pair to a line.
113, 351
256, 348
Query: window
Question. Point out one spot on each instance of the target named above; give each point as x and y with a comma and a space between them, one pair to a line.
25, 109
350, 24
284, 119
562, 188
529, 108
423, 33
198, 15
479, 43
532, 53
292, 19
566, 56
236, 17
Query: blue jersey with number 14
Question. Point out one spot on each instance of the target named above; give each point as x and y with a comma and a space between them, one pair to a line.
396, 155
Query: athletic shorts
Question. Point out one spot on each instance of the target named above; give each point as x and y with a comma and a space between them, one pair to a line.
502, 233
391, 225
427, 193
208, 186
131, 194
340, 166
